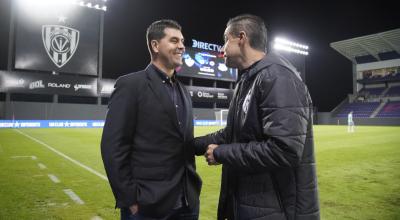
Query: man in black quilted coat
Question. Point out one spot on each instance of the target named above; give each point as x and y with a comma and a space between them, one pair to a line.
267, 148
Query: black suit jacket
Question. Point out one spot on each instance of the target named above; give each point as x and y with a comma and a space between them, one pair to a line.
147, 158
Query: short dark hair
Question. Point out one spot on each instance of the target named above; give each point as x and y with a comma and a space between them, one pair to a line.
156, 30
253, 26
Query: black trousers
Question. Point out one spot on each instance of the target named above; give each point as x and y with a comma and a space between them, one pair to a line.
183, 213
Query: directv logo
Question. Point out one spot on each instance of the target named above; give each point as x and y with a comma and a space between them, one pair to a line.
206, 46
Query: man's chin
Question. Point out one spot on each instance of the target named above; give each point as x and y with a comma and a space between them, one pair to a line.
230, 64
178, 64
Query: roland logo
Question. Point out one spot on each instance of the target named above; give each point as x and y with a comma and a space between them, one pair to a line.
59, 85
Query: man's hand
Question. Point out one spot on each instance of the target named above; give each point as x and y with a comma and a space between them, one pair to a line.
134, 209
210, 155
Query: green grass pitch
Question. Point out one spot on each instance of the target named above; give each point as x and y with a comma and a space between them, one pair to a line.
358, 174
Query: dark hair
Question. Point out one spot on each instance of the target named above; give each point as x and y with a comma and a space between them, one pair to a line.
156, 30
254, 28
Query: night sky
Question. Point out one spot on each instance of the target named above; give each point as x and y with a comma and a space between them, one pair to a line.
317, 24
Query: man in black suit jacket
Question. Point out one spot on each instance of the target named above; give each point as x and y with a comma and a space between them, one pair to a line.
145, 144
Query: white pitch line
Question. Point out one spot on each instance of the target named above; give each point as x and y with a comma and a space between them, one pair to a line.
53, 178
42, 166
73, 196
65, 156
96, 218
38, 175
32, 157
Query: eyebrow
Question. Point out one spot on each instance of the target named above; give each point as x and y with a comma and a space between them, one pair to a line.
177, 38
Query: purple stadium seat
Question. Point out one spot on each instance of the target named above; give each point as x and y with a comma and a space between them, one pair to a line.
394, 91
390, 110
360, 109
372, 91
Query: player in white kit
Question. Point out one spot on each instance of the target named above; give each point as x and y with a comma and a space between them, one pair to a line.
350, 122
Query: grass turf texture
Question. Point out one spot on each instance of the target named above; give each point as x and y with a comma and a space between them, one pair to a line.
358, 174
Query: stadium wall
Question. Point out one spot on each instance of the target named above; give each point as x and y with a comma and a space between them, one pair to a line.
2, 110
64, 111
54, 111
325, 118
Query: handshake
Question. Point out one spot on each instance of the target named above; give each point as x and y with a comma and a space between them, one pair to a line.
209, 155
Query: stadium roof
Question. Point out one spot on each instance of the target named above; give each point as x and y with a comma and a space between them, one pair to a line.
370, 48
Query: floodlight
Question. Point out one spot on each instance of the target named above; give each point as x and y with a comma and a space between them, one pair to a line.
290, 46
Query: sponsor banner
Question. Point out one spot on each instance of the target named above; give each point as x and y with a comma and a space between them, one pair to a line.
75, 123
106, 87
21, 82
206, 123
206, 94
51, 123
53, 37
208, 64
206, 46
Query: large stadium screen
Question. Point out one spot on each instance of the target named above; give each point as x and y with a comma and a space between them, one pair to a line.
50, 37
199, 63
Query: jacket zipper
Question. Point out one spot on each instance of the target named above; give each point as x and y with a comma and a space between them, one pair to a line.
278, 195
184, 188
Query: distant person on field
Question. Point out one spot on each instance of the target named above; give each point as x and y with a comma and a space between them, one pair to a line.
350, 122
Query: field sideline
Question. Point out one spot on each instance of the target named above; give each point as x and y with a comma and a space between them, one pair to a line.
58, 174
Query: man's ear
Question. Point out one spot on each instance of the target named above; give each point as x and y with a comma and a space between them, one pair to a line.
242, 37
154, 46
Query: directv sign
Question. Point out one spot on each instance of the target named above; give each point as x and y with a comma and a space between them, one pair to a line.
200, 63
206, 46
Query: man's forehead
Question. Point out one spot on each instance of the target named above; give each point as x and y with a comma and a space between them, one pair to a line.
227, 31
172, 32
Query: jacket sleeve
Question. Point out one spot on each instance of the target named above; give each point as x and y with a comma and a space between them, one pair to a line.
201, 143
116, 142
283, 109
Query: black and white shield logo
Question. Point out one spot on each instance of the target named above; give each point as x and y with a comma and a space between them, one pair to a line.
60, 43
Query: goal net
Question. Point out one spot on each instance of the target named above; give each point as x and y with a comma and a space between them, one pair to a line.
221, 117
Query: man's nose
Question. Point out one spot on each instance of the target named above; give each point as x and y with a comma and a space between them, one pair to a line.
181, 45
223, 48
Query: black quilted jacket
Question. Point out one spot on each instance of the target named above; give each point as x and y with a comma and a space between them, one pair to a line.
267, 147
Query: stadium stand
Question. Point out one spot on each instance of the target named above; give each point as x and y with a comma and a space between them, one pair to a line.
372, 91
376, 77
360, 109
390, 110
393, 91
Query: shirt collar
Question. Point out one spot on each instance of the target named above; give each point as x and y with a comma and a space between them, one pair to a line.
164, 76
244, 73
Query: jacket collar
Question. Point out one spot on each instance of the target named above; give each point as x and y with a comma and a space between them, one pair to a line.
268, 60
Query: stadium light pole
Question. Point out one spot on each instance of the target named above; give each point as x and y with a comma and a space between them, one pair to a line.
291, 47
10, 51
100, 61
